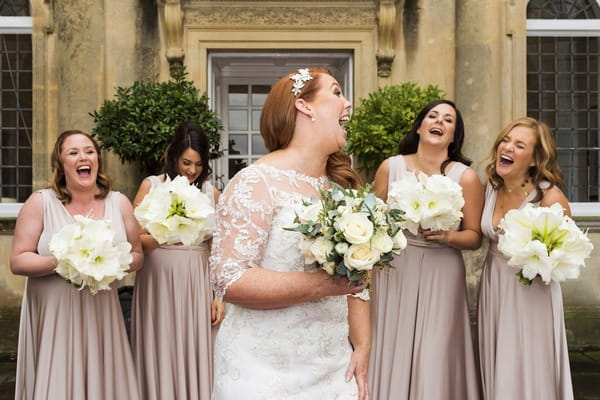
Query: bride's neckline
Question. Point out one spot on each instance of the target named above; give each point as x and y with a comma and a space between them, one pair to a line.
293, 173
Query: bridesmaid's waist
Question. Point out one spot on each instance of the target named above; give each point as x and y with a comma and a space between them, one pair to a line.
421, 242
201, 246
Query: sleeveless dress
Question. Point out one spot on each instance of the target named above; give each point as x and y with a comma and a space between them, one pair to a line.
171, 326
421, 337
72, 344
522, 343
300, 352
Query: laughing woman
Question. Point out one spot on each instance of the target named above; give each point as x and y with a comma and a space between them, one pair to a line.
72, 344
173, 307
522, 342
422, 347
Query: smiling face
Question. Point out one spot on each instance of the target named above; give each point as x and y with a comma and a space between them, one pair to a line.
515, 153
331, 111
438, 126
189, 164
79, 161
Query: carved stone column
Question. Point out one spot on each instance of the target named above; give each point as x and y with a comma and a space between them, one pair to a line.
386, 20
173, 23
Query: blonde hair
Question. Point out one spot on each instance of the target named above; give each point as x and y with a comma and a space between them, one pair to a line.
59, 183
278, 118
545, 157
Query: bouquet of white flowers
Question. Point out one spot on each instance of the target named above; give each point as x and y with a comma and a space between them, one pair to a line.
432, 202
175, 211
88, 255
349, 231
543, 241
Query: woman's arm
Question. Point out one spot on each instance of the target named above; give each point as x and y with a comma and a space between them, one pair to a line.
244, 218
132, 230
24, 259
359, 321
469, 237
381, 180
148, 242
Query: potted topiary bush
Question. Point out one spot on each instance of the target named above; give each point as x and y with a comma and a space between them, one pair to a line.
382, 120
138, 124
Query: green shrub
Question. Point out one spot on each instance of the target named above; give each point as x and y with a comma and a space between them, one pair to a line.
382, 120
138, 124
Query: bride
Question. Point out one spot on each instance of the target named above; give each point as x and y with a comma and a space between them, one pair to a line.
292, 331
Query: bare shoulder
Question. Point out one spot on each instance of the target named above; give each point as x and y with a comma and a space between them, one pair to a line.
553, 195
470, 177
33, 205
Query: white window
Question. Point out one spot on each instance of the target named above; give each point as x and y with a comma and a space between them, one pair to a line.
563, 53
238, 86
15, 105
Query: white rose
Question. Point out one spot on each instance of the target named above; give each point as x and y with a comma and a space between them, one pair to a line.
341, 247
304, 245
399, 241
382, 242
311, 212
321, 248
356, 228
361, 257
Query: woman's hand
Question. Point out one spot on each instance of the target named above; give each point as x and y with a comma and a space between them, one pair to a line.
437, 236
217, 312
359, 363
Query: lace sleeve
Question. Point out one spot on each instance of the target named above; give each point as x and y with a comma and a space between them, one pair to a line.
244, 215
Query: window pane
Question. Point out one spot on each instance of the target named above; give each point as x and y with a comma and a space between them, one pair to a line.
238, 95
256, 120
259, 94
258, 145
238, 120
236, 165
238, 144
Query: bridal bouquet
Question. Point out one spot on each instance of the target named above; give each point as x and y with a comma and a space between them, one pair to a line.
543, 241
431, 202
176, 211
88, 254
348, 232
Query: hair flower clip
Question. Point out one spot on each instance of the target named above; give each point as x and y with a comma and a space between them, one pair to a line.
302, 76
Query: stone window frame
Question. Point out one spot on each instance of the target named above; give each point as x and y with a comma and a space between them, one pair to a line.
21, 26
571, 27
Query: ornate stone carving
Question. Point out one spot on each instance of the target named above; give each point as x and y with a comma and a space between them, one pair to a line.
386, 18
48, 7
360, 14
173, 20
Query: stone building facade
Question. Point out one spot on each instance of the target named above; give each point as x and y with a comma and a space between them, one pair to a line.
477, 51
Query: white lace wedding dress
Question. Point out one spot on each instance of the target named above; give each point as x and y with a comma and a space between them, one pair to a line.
297, 352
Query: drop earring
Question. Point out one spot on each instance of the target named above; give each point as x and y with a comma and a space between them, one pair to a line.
312, 118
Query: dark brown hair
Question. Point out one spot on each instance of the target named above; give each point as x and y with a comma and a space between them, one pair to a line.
59, 184
278, 119
188, 135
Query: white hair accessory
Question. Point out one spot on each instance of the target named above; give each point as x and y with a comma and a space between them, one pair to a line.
302, 76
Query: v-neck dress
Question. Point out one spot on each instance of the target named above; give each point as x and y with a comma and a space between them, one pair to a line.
522, 343
72, 344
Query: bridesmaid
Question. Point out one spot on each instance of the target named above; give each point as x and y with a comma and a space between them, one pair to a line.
173, 306
522, 342
422, 346
72, 344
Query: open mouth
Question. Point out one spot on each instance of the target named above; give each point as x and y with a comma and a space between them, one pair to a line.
506, 160
343, 121
85, 170
436, 131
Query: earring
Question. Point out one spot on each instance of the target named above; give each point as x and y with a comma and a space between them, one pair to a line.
312, 118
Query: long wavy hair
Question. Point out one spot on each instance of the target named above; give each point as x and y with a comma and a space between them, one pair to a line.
278, 119
59, 184
545, 156
410, 142
188, 135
